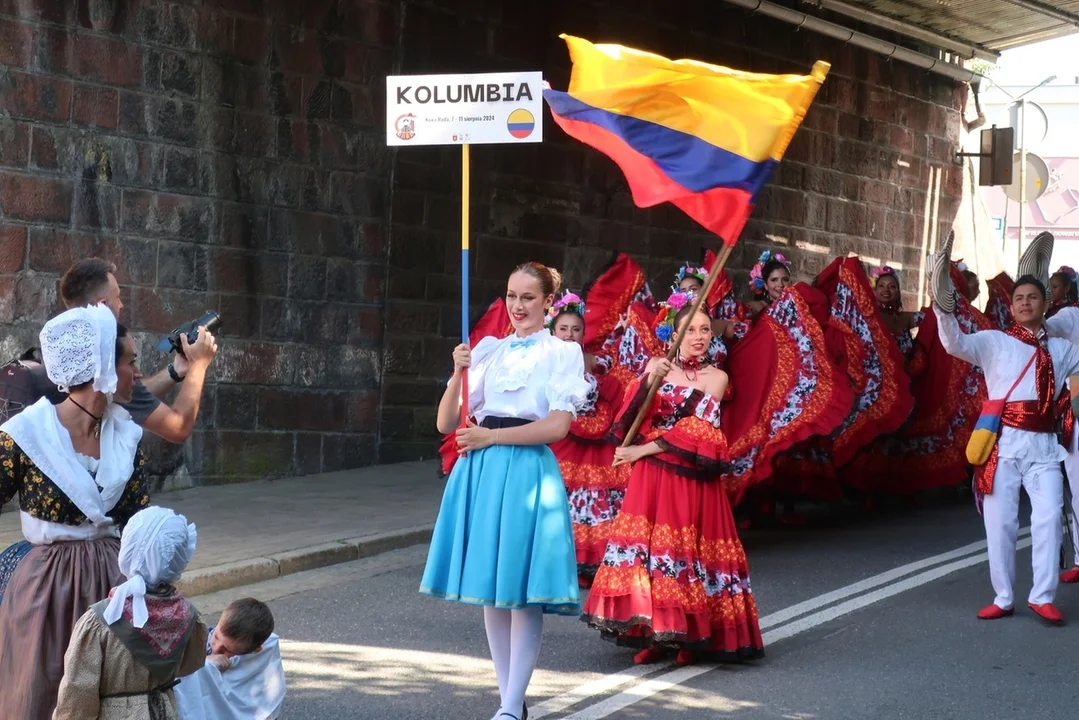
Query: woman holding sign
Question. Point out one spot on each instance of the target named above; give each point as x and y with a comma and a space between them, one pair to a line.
503, 538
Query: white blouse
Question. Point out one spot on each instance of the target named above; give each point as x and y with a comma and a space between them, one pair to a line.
526, 378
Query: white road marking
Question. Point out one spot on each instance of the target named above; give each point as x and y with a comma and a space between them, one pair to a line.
593, 688
861, 586
970, 555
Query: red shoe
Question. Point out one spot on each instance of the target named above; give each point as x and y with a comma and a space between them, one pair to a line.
1070, 576
994, 612
648, 656
685, 657
1048, 612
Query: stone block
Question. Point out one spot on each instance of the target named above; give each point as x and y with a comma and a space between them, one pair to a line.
255, 363
36, 97
244, 226
96, 106
14, 144
237, 407
365, 327
182, 217
16, 43
54, 251
180, 73
103, 59
307, 278
97, 206
280, 409
35, 199
223, 577
13, 248
348, 451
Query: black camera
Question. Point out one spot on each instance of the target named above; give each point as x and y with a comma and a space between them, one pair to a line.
171, 343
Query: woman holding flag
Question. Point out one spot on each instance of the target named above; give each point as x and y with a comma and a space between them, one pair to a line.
674, 575
503, 538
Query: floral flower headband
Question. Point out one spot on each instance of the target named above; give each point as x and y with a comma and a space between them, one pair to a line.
568, 303
688, 271
1069, 271
664, 324
878, 272
756, 277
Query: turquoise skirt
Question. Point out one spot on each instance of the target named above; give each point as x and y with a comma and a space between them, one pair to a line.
503, 536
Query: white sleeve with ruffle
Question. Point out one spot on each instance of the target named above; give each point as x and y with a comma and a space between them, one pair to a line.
567, 390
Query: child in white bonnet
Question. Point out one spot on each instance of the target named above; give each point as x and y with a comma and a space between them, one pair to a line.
128, 650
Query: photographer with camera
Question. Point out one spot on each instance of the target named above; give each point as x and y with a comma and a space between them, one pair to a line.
93, 281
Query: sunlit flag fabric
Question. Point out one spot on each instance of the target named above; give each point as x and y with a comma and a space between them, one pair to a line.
701, 136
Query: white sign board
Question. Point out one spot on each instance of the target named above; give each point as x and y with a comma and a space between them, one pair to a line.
483, 109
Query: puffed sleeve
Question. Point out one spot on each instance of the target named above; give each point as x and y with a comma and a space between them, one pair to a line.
9, 468
566, 388
80, 689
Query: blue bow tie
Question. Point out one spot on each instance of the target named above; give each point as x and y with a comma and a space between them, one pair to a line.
529, 341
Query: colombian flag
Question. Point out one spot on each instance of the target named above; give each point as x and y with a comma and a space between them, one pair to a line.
703, 137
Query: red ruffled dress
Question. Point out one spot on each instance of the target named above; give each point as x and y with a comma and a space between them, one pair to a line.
674, 574
787, 389
929, 451
595, 488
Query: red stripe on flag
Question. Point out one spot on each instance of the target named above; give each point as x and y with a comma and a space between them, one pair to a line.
723, 211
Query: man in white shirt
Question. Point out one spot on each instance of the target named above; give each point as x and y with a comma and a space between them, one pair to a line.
1027, 453
1065, 324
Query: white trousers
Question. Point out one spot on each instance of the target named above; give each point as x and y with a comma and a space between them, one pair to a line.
1045, 487
1071, 467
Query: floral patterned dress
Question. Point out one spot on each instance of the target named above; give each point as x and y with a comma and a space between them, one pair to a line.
674, 573
595, 489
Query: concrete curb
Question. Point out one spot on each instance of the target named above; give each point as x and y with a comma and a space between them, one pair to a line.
245, 572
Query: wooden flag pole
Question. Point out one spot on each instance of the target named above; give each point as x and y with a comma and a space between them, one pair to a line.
721, 260
464, 277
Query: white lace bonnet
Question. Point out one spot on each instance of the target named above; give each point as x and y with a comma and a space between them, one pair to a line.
156, 546
79, 346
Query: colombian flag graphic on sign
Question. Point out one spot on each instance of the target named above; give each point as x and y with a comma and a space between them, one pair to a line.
521, 123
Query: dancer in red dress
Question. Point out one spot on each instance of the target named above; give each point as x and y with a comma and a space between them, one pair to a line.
595, 487
1063, 291
675, 576
929, 451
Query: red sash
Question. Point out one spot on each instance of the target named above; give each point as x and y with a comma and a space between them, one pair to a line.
1021, 415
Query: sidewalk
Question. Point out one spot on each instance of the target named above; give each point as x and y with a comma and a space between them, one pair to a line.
251, 532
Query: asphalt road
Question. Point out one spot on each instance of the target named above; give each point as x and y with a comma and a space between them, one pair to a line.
863, 618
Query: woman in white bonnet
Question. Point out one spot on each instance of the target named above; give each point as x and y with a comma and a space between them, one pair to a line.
128, 651
78, 471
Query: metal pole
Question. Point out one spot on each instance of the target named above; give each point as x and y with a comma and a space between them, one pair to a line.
1022, 178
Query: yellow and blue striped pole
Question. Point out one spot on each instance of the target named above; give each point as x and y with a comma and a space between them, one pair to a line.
464, 276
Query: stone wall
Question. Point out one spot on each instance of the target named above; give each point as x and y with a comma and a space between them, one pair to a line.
230, 154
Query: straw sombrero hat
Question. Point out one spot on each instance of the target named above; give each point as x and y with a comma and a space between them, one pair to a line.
941, 287
1035, 259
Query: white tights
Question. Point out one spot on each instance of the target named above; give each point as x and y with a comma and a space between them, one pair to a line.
514, 637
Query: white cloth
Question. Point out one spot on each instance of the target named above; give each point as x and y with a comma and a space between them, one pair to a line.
1044, 485
526, 378
43, 532
156, 546
1071, 468
1002, 358
79, 346
38, 432
252, 689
